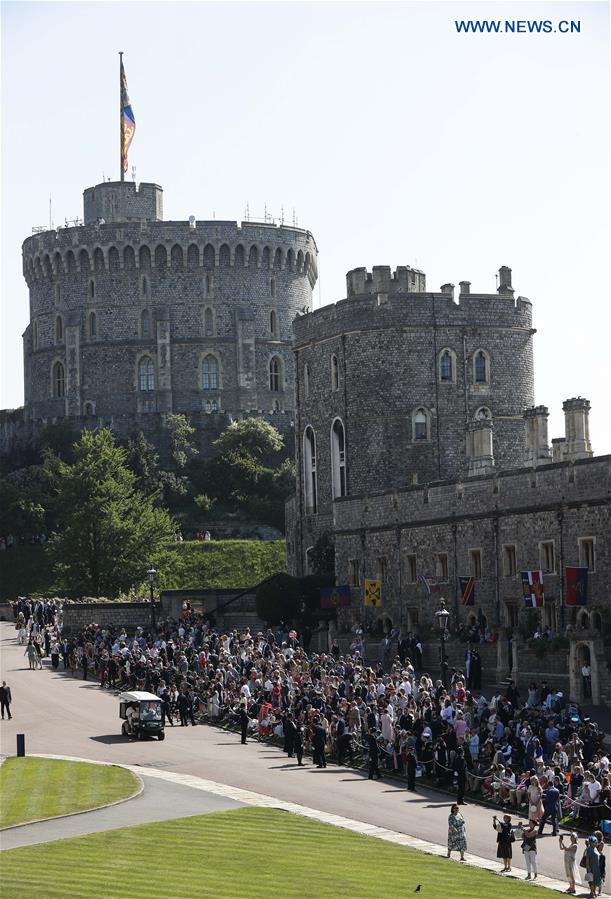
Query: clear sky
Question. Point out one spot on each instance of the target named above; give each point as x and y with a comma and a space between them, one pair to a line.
397, 140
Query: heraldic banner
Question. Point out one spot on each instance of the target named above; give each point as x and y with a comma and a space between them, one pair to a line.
373, 593
334, 597
532, 589
576, 586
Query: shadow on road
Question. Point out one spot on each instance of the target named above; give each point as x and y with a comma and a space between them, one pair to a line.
111, 738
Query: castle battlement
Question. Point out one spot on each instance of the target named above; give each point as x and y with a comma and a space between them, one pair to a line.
381, 279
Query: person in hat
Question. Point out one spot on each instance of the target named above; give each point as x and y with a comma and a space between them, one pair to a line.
571, 867
504, 839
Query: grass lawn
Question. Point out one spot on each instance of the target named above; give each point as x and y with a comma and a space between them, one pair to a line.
32, 788
239, 854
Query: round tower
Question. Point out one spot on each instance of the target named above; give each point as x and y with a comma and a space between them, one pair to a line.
132, 315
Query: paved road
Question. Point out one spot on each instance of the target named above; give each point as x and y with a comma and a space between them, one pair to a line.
68, 716
158, 801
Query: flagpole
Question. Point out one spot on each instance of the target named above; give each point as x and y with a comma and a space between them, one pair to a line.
121, 116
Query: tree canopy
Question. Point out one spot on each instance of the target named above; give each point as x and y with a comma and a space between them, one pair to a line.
109, 531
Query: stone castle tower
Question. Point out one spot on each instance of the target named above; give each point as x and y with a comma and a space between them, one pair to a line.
132, 317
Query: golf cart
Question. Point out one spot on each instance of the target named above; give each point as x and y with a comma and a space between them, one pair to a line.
141, 714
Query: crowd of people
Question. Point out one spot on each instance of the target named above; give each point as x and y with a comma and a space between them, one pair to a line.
536, 757
10, 541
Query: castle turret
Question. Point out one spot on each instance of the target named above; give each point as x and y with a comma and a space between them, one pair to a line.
122, 201
537, 448
577, 428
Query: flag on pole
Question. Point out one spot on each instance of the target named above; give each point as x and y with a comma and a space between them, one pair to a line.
467, 590
128, 121
576, 586
334, 597
373, 593
532, 589
430, 583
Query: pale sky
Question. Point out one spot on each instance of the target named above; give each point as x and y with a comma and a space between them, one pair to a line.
397, 140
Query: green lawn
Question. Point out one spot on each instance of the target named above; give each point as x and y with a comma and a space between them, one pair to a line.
32, 788
240, 854
219, 563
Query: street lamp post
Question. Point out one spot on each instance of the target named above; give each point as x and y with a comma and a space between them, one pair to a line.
442, 616
151, 576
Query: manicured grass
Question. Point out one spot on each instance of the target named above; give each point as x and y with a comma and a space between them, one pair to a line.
32, 788
247, 853
192, 564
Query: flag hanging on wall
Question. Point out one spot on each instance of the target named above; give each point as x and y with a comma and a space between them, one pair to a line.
467, 590
532, 588
430, 583
334, 597
128, 121
373, 593
576, 586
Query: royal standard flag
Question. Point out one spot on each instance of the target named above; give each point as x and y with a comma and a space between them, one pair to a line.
532, 588
128, 121
467, 590
430, 584
373, 593
576, 586
334, 597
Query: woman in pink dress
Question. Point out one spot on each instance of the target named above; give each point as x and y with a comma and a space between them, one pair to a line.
535, 802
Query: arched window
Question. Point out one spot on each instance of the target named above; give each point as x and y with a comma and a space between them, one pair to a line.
253, 257
146, 374
481, 367
420, 425
114, 263
338, 459
98, 260
208, 322
274, 374
193, 256
273, 323
446, 366
161, 258
59, 380
59, 329
209, 256
306, 380
309, 469
224, 255
176, 257
93, 325
129, 258
210, 373
482, 413
88, 409
145, 324
145, 257
334, 373
239, 256
266, 258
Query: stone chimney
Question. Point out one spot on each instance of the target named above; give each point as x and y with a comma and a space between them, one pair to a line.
537, 448
480, 450
577, 428
558, 449
448, 289
465, 286
505, 281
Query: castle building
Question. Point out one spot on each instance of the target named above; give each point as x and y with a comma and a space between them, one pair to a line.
133, 317
420, 452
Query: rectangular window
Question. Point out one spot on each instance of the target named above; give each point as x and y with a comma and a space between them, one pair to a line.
547, 556
513, 615
476, 562
510, 565
354, 572
381, 569
410, 569
587, 555
441, 567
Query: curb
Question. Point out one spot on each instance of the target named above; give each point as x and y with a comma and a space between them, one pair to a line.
83, 811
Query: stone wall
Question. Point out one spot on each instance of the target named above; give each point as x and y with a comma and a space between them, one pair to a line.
129, 615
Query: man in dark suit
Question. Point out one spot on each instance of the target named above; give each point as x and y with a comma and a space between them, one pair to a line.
5, 699
243, 718
319, 738
551, 800
289, 735
374, 754
460, 767
299, 744
411, 770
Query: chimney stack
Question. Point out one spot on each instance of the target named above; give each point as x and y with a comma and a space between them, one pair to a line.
537, 448
480, 449
505, 281
448, 289
577, 428
465, 286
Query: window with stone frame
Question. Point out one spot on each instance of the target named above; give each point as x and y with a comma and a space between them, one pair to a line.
446, 366
510, 563
146, 374
354, 572
475, 557
441, 567
273, 323
547, 556
420, 424
306, 380
59, 329
208, 322
381, 569
334, 373
410, 568
587, 552
481, 368
59, 380
274, 374
210, 373
309, 469
338, 459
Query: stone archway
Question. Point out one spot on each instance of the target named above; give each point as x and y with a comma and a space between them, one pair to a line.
582, 653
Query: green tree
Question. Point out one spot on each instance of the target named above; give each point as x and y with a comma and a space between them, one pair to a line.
252, 436
143, 459
181, 439
109, 531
